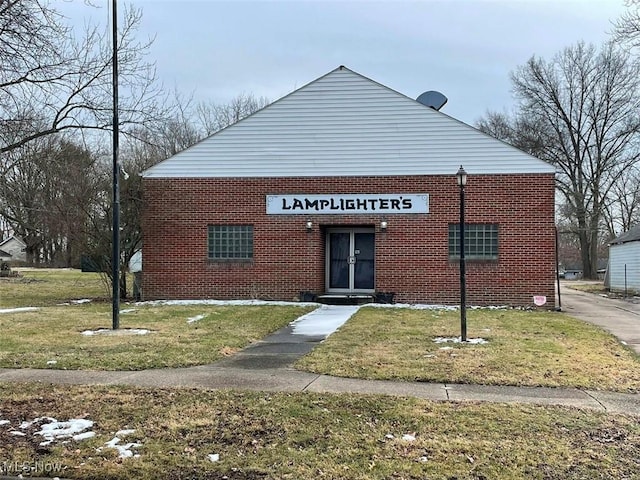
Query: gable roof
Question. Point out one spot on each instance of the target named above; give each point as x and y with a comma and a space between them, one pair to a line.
14, 238
632, 235
4, 254
344, 124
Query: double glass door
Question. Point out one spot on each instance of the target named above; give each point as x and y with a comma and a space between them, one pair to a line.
351, 260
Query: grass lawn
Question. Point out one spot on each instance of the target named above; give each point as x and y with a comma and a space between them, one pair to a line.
303, 435
49, 286
51, 337
524, 348
53, 334
589, 286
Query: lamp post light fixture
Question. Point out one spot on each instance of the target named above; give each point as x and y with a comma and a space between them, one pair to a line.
462, 182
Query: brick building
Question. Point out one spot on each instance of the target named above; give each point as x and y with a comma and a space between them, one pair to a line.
346, 187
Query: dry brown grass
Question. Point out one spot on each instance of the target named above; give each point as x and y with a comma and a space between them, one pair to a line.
304, 436
40, 287
524, 348
53, 334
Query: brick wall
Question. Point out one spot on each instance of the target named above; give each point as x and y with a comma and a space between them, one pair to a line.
411, 256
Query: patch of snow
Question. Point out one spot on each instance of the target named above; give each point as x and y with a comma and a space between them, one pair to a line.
108, 331
197, 318
19, 434
124, 451
26, 424
84, 436
223, 302
472, 341
122, 433
128, 310
5, 422
71, 429
408, 437
51, 362
389, 436
81, 301
436, 307
412, 306
446, 348
92, 332
253, 302
18, 310
324, 320
623, 342
214, 457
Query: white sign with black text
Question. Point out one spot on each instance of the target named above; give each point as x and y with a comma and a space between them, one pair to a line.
386, 203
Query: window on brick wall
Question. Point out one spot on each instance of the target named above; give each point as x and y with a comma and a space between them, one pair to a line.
230, 242
481, 241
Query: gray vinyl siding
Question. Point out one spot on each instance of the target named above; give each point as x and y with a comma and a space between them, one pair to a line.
344, 124
621, 255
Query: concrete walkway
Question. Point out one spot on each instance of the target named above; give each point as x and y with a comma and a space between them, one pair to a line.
617, 316
282, 348
289, 380
266, 366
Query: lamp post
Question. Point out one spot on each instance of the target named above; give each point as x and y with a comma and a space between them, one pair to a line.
462, 181
115, 255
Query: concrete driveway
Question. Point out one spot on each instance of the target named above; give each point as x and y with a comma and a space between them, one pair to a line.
620, 317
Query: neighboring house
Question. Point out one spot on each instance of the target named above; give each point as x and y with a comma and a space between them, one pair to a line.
135, 267
348, 187
4, 256
135, 262
15, 248
624, 262
573, 274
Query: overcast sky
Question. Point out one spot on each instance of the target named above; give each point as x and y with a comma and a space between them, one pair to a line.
462, 48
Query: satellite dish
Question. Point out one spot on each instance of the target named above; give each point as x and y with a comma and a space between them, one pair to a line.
432, 99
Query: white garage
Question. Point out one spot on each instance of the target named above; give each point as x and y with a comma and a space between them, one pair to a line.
624, 262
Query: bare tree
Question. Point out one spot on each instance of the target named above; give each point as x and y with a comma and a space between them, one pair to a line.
52, 80
518, 130
213, 117
46, 196
627, 27
623, 207
578, 112
22, 196
184, 126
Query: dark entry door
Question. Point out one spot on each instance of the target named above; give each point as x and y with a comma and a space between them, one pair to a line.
350, 260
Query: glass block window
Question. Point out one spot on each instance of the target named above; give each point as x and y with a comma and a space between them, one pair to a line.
481, 241
230, 242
